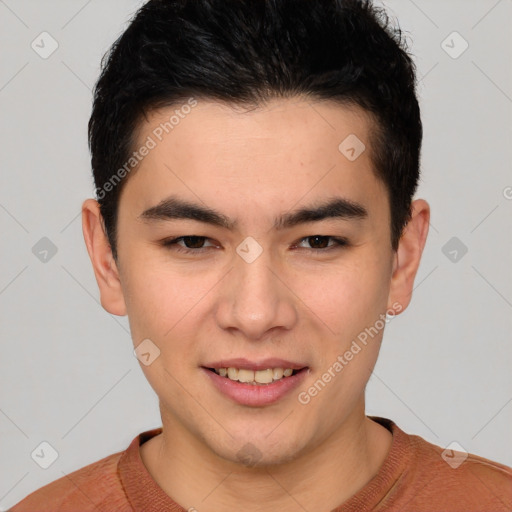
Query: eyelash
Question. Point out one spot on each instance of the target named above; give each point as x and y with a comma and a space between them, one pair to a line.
339, 243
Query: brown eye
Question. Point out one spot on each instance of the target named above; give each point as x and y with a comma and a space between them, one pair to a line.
192, 244
320, 242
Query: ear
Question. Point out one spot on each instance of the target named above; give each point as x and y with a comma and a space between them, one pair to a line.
104, 265
408, 256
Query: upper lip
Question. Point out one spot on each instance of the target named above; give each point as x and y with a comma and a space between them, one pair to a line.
246, 364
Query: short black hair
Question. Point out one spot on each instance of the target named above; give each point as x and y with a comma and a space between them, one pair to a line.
246, 52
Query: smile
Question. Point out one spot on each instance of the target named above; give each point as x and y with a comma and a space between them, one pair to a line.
244, 386
254, 377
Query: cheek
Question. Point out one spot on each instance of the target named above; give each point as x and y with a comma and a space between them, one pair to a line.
164, 303
161, 308
348, 298
153, 299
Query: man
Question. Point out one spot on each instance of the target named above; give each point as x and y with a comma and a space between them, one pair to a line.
255, 165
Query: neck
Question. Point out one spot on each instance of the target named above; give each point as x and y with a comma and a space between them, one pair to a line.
320, 479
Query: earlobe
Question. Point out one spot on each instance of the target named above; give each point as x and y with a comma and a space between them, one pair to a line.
100, 253
408, 256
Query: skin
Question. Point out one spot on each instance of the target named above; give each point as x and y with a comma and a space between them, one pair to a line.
296, 304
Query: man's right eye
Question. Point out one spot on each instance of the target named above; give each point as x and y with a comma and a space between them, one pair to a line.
192, 243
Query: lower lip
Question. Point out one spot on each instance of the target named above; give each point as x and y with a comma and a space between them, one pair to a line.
256, 395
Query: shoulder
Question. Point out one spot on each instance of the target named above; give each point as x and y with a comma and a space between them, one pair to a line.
95, 487
450, 476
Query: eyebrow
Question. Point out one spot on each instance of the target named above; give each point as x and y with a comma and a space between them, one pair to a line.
173, 208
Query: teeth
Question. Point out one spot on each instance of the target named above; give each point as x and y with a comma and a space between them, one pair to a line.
264, 376
245, 375
254, 377
278, 373
233, 373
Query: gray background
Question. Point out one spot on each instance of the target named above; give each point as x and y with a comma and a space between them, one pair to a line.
67, 371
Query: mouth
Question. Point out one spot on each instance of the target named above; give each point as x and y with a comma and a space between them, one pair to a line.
256, 377
255, 384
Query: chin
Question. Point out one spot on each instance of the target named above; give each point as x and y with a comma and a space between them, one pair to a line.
259, 451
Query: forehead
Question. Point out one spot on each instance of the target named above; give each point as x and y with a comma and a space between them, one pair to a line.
296, 124
273, 154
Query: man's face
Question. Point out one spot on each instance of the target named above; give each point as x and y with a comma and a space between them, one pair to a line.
255, 291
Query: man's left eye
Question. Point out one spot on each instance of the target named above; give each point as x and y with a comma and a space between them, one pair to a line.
315, 240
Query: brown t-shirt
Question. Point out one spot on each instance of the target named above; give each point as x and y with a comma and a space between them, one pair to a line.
414, 477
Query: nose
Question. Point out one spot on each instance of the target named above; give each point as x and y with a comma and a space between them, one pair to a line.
256, 299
